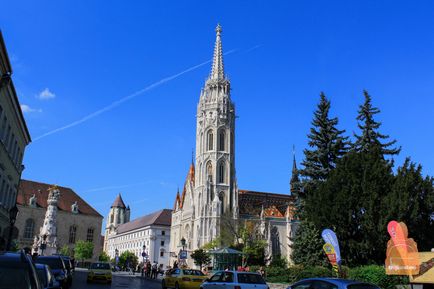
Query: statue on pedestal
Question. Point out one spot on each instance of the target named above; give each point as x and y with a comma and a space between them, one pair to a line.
46, 242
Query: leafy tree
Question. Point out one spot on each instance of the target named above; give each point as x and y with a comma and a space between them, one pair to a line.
200, 257
255, 252
307, 246
370, 137
351, 200
132, 258
83, 250
65, 250
412, 201
215, 243
326, 142
104, 257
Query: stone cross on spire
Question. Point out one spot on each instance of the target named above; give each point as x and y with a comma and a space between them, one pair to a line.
217, 71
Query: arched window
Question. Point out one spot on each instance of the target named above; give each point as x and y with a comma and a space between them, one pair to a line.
222, 172
210, 140
72, 234
29, 229
222, 144
112, 218
89, 236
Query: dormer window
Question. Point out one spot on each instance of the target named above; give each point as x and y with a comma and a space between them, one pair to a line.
74, 208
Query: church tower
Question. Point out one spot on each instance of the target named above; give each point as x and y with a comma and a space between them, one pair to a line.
119, 214
215, 181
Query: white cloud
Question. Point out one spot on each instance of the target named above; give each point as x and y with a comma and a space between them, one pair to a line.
46, 94
27, 109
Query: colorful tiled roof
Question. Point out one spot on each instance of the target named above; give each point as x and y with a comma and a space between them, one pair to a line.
159, 218
275, 205
40, 190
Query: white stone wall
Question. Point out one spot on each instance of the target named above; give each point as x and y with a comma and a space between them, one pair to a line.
156, 239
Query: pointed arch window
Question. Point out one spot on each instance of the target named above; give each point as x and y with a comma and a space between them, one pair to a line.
29, 229
112, 218
210, 140
222, 139
209, 171
89, 236
222, 172
222, 200
72, 234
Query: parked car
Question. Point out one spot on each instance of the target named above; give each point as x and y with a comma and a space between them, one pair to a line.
183, 279
17, 271
235, 280
69, 268
331, 283
58, 268
99, 271
46, 277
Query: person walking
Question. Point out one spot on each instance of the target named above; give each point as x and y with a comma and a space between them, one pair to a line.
154, 270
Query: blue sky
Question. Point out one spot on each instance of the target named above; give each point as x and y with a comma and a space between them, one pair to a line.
74, 58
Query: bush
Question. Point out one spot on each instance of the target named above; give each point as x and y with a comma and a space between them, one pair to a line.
376, 275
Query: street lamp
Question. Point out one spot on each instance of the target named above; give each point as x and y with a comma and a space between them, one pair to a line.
144, 258
183, 243
116, 258
43, 244
13, 212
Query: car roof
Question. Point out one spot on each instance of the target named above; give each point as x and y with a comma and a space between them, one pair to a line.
13, 257
238, 272
41, 266
49, 257
336, 281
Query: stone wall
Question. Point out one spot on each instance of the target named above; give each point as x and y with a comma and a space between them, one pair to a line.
64, 221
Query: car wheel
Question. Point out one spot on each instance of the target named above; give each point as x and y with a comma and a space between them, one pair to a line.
163, 285
176, 285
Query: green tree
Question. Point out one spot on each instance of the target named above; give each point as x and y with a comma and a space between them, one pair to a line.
104, 257
370, 137
255, 252
412, 201
65, 250
131, 257
83, 250
200, 257
307, 246
327, 143
351, 201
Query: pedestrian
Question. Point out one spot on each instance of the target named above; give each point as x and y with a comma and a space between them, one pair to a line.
261, 271
154, 270
175, 264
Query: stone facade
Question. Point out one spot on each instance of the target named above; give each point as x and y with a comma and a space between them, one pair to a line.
76, 220
14, 137
210, 193
152, 230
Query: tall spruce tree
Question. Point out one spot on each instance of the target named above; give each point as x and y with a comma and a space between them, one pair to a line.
411, 201
351, 201
327, 144
370, 137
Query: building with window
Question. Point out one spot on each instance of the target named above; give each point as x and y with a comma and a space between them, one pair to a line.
152, 231
14, 137
211, 201
76, 219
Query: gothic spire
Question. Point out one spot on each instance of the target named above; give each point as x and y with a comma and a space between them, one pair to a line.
217, 71
295, 180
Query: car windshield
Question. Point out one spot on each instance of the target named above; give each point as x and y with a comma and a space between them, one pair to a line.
102, 266
42, 276
250, 278
54, 263
362, 286
193, 272
14, 277
67, 264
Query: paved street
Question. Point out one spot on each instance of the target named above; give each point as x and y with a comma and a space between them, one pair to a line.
120, 280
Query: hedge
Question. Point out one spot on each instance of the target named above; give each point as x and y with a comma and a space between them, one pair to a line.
373, 274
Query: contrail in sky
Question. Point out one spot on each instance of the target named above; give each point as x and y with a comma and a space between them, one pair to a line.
128, 97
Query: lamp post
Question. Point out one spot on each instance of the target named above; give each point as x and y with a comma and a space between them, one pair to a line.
13, 212
183, 255
43, 245
144, 258
116, 258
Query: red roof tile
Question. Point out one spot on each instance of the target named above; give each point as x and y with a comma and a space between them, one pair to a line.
67, 197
